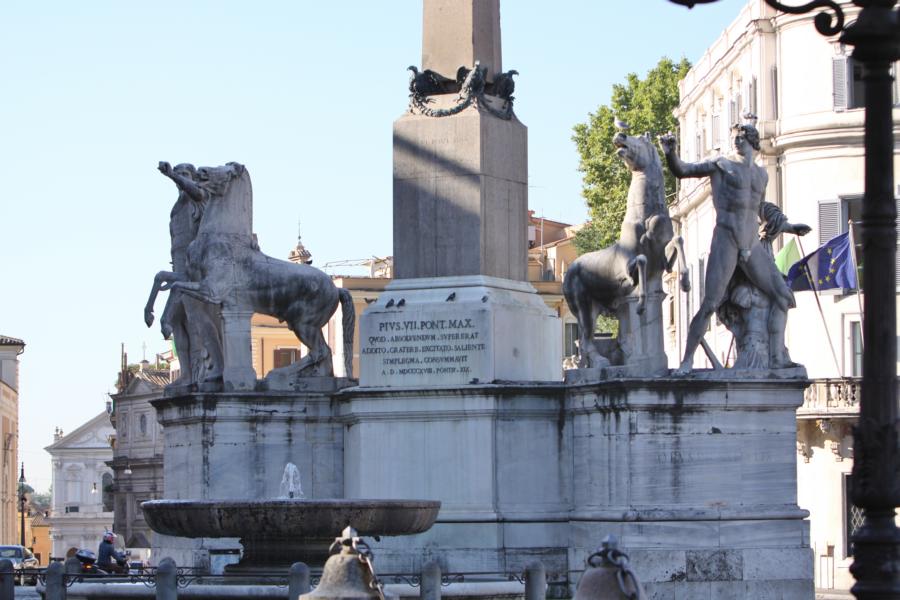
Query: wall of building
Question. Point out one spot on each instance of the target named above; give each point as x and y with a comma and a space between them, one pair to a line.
10, 349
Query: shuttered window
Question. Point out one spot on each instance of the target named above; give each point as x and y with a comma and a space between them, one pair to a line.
833, 221
751, 96
839, 92
717, 131
830, 220
773, 74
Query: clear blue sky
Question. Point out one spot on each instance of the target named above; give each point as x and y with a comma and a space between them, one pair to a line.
303, 93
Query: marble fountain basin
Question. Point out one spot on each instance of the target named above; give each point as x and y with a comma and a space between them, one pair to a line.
276, 533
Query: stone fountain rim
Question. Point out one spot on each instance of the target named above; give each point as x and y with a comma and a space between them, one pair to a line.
321, 502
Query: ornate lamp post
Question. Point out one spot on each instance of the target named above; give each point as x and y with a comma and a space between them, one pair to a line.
875, 481
22, 505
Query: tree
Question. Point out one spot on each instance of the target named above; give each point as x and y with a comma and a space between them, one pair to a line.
645, 105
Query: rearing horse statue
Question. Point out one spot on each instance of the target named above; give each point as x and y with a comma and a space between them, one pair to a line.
600, 282
226, 267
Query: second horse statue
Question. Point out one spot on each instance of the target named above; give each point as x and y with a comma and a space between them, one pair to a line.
618, 280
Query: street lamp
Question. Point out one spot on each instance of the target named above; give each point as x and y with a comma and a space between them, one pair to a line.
875, 480
22, 504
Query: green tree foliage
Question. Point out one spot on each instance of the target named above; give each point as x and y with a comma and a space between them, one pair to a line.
645, 105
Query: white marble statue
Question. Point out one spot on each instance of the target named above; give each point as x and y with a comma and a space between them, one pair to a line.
738, 187
631, 269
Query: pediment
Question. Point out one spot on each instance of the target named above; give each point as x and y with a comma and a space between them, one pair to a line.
93, 434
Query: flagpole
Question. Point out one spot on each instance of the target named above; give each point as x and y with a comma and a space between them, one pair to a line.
819, 304
862, 339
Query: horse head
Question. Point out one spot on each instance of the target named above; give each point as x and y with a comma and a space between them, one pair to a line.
638, 153
230, 207
216, 180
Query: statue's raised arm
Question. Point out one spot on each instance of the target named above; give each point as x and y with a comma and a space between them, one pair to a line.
679, 168
185, 184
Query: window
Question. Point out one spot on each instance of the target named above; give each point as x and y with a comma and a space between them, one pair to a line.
72, 509
717, 132
853, 518
773, 74
286, 356
849, 87
107, 483
751, 96
571, 336
834, 219
856, 349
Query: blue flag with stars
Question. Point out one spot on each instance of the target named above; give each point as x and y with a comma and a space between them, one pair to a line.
829, 267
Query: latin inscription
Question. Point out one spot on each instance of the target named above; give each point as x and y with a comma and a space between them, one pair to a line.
432, 348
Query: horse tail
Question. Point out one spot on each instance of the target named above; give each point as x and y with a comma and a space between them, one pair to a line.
349, 324
569, 285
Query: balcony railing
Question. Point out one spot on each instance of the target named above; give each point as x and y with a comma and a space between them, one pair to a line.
831, 397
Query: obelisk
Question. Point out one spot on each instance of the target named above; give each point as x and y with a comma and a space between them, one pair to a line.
460, 309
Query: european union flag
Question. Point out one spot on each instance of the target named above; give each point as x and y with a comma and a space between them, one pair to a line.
829, 267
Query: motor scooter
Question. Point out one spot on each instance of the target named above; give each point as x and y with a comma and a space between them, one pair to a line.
88, 560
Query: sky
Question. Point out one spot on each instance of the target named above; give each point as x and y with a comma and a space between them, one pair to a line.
303, 93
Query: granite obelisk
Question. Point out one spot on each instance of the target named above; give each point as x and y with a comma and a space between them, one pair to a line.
460, 309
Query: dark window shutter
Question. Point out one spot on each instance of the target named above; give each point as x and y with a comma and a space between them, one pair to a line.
829, 220
839, 82
897, 255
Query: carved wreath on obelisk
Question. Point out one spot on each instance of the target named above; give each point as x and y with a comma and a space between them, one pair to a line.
470, 84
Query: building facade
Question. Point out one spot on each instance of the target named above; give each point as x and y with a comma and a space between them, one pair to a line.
10, 349
807, 93
82, 493
137, 454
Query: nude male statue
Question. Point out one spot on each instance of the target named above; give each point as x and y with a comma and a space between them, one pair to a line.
193, 324
738, 187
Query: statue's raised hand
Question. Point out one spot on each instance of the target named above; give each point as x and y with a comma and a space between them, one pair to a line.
165, 168
800, 229
667, 142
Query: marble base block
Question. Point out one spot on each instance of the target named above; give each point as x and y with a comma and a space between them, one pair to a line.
235, 446
697, 478
458, 331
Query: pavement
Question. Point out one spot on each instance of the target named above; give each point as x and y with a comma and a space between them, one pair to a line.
26, 591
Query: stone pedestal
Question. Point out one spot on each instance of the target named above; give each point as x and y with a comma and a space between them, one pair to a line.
697, 478
643, 349
235, 446
458, 331
460, 196
497, 456
238, 374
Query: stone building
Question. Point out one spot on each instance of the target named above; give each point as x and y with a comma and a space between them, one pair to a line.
39, 538
82, 497
807, 93
10, 349
136, 453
